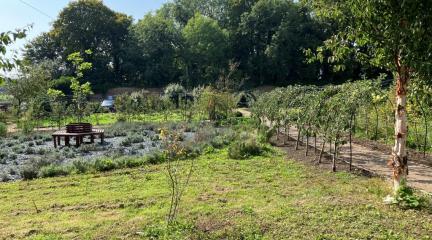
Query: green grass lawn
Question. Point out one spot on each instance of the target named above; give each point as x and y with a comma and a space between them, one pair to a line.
265, 197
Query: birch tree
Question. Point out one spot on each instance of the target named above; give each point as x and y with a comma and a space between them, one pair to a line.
395, 35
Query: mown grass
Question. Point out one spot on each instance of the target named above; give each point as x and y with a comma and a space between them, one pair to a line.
265, 197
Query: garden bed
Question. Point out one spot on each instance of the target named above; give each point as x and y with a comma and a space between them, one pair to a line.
25, 156
19, 151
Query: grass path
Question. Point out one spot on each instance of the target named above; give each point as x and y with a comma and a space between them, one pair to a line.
267, 197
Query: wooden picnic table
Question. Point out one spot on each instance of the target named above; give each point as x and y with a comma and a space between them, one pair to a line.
78, 131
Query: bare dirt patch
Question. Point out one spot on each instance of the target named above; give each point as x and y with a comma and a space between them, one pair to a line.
413, 155
288, 144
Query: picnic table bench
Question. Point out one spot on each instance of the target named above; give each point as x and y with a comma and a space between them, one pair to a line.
77, 131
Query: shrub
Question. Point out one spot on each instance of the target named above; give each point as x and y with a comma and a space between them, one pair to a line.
243, 150
86, 148
129, 162
127, 142
80, 166
265, 133
30, 150
104, 165
218, 142
3, 129
217, 105
174, 91
53, 171
4, 177
406, 198
29, 172
26, 126
18, 149
41, 151
12, 171
156, 158
136, 138
3, 154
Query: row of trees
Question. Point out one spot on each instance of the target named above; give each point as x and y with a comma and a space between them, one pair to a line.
393, 35
328, 113
192, 42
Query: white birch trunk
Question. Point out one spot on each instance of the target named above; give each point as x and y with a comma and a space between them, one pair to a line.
399, 160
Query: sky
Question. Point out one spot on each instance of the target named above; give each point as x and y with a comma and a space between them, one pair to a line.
41, 14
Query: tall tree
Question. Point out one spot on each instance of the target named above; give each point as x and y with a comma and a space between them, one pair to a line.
158, 41
82, 25
393, 34
205, 52
31, 84
184, 10
272, 36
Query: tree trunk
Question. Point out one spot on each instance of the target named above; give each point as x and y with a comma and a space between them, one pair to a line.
334, 156
399, 161
298, 138
425, 137
350, 140
322, 151
315, 143
277, 132
307, 142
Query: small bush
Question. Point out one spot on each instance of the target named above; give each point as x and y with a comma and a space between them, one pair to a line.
156, 158
4, 177
136, 138
265, 133
86, 148
29, 150
127, 142
243, 150
219, 142
17, 149
3, 129
46, 138
130, 162
104, 165
41, 151
53, 171
80, 166
29, 172
3, 154
26, 126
